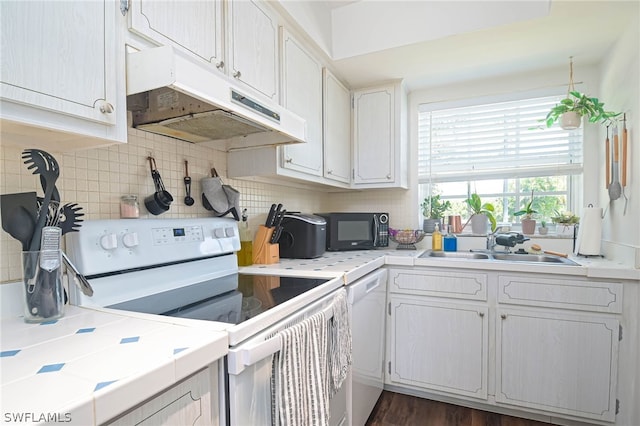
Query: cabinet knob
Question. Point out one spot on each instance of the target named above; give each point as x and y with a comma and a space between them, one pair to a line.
237, 74
106, 108
329, 172
288, 160
389, 176
481, 314
503, 316
220, 65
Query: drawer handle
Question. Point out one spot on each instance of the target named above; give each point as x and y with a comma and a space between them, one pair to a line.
237, 74
503, 316
481, 314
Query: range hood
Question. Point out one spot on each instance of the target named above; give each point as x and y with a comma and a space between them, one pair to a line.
169, 95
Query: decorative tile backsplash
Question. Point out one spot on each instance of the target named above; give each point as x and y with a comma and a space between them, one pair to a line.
97, 178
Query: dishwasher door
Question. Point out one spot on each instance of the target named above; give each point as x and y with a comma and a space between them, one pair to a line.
367, 298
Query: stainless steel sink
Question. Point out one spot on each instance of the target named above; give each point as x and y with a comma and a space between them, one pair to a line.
536, 258
502, 257
455, 255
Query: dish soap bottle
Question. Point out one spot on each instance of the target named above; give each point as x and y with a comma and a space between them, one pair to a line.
245, 255
450, 241
436, 239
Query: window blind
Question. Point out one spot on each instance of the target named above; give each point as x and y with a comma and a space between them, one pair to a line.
493, 141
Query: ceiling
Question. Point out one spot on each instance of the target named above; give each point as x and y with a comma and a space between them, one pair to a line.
487, 48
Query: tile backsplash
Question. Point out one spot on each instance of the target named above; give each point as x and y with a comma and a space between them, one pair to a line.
97, 178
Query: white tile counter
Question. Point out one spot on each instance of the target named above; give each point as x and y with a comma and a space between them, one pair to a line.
89, 366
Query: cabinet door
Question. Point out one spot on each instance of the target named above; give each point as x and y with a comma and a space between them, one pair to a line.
560, 363
191, 402
439, 346
337, 129
253, 46
193, 26
302, 94
61, 57
374, 135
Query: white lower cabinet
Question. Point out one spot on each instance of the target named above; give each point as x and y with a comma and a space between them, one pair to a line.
439, 346
560, 363
521, 342
193, 401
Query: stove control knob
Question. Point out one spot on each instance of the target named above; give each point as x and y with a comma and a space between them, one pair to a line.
218, 233
229, 232
130, 239
109, 242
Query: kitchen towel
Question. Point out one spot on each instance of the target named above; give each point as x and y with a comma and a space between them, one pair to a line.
589, 232
299, 386
340, 347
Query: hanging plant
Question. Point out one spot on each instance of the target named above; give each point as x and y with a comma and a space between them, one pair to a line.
577, 105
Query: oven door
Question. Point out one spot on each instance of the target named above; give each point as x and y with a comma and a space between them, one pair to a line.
249, 369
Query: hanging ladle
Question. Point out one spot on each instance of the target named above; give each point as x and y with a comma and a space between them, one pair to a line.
188, 200
614, 188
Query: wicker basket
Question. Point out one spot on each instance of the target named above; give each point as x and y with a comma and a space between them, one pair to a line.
406, 238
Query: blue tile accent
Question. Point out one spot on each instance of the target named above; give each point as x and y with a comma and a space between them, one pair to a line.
178, 350
103, 384
9, 353
130, 339
86, 330
48, 322
50, 368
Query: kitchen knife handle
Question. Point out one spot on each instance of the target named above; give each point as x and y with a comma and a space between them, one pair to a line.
271, 216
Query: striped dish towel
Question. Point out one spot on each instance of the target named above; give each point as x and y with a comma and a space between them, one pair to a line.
299, 391
340, 348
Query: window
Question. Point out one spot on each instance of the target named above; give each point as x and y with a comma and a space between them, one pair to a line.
501, 151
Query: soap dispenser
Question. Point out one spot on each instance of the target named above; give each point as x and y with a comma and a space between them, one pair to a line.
436, 239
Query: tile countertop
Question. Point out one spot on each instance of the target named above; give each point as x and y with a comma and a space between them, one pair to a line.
90, 366
355, 264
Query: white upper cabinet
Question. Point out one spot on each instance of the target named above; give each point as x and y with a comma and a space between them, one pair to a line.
62, 82
337, 129
302, 94
253, 46
380, 137
194, 26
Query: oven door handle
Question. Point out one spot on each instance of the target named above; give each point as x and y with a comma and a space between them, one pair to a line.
250, 353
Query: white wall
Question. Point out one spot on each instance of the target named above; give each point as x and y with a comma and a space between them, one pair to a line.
620, 89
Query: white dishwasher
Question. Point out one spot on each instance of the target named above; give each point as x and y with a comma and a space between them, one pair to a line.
367, 297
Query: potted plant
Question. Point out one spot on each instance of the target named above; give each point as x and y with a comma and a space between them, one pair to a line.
479, 214
433, 210
575, 106
527, 222
565, 223
542, 229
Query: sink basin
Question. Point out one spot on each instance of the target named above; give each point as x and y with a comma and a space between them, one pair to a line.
456, 255
502, 257
537, 258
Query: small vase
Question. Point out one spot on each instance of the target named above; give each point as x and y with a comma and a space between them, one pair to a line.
542, 230
528, 226
570, 120
479, 224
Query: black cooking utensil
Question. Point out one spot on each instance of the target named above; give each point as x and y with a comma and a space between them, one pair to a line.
9, 202
20, 226
44, 164
158, 202
188, 200
70, 218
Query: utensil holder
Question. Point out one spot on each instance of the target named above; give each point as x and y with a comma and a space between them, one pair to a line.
42, 285
263, 251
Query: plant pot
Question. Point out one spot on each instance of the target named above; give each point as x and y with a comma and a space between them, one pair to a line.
542, 230
528, 226
479, 224
570, 120
428, 225
562, 229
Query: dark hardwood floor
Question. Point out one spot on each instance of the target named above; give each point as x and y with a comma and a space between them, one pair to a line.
394, 409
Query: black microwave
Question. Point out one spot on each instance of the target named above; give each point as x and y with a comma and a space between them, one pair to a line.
356, 231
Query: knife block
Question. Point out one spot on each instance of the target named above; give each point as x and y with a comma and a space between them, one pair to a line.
263, 251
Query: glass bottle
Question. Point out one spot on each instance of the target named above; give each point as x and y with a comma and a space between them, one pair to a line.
245, 255
129, 208
436, 239
450, 242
